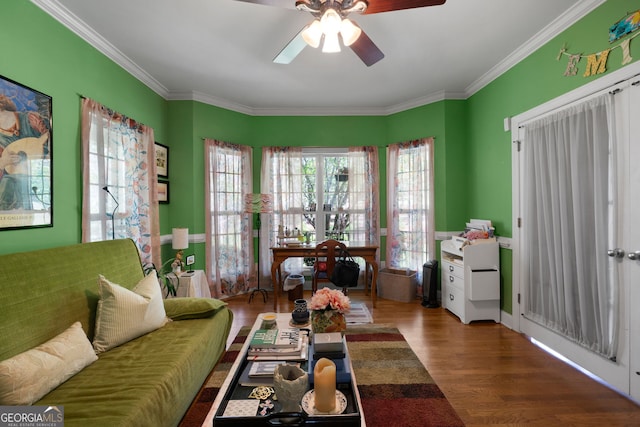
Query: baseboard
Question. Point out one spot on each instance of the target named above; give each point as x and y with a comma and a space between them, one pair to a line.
506, 319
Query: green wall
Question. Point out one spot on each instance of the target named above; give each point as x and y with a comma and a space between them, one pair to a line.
533, 81
472, 151
44, 55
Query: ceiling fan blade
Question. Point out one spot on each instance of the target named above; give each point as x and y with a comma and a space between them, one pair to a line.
367, 50
287, 4
291, 50
379, 6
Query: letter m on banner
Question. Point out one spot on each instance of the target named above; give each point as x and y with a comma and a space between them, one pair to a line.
595, 64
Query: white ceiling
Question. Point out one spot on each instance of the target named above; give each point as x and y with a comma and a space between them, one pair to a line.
220, 51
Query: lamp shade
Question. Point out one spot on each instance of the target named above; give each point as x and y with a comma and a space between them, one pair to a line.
258, 203
180, 238
312, 34
349, 31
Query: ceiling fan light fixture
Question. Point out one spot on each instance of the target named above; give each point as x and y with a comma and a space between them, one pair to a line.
330, 22
312, 34
331, 43
349, 31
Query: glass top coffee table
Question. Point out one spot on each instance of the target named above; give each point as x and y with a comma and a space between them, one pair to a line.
240, 402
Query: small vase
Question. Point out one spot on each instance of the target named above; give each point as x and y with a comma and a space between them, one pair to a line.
290, 384
300, 314
328, 321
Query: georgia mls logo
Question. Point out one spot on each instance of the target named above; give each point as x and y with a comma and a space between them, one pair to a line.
31, 416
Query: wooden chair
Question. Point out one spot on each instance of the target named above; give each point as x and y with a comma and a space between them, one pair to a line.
323, 266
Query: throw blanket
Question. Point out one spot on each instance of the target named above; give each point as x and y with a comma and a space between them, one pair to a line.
395, 388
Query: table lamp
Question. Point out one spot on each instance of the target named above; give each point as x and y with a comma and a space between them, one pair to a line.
179, 241
258, 203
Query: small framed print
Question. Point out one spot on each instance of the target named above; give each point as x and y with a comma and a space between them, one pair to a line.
191, 259
162, 160
163, 192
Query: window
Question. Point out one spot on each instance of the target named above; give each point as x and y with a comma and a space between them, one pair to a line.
119, 199
410, 234
229, 235
323, 193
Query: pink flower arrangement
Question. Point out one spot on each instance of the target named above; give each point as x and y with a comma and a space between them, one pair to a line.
330, 299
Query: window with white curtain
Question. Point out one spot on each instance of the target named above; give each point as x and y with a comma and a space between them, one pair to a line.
119, 180
410, 216
323, 193
325, 210
229, 238
568, 191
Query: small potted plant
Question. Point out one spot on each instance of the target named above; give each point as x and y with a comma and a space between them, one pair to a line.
165, 281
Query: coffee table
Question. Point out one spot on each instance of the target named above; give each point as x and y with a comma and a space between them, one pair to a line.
232, 390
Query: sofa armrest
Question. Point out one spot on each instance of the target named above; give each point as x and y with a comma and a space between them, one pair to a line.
192, 308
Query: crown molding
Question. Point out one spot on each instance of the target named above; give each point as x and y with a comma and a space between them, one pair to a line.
210, 100
85, 32
80, 28
570, 17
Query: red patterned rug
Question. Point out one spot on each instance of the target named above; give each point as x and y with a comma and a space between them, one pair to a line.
395, 388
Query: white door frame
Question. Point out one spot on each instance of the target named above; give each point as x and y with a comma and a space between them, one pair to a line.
599, 366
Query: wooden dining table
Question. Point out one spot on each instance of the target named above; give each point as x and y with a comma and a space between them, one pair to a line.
282, 253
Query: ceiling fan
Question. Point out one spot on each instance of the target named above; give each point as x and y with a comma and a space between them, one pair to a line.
331, 24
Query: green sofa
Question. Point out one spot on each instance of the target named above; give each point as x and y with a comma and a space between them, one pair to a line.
149, 381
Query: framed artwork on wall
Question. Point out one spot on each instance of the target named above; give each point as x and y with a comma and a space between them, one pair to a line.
163, 192
26, 148
162, 160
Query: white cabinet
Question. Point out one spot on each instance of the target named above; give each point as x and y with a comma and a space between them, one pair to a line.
471, 280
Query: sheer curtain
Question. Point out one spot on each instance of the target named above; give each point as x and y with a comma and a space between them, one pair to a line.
119, 154
280, 176
364, 180
410, 214
229, 239
568, 191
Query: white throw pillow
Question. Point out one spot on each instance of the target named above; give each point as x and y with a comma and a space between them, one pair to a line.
28, 376
123, 315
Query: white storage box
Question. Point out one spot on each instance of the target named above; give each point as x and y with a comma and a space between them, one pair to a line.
397, 285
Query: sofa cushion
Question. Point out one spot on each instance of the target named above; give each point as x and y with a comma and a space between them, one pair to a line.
149, 381
123, 314
28, 376
192, 308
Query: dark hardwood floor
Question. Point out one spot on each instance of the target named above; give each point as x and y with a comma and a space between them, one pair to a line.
492, 375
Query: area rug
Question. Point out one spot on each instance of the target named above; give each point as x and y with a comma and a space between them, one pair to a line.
394, 386
358, 315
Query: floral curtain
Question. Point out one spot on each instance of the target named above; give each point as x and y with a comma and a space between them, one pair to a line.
364, 180
410, 215
229, 237
119, 180
281, 172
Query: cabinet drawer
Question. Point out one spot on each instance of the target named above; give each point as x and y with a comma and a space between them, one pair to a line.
483, 285
452, 280
454, 300
449, 268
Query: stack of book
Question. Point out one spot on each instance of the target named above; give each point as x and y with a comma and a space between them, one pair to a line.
278, 344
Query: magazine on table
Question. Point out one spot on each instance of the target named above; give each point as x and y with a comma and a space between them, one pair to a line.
276, 338
297, 354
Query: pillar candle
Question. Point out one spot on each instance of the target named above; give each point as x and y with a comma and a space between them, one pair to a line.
324, 385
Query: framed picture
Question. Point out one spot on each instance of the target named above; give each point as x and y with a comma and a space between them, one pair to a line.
162, 160
191, 259
163, 192
26, 148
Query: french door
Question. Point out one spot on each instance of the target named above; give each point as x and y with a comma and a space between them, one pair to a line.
631, 239
622, 253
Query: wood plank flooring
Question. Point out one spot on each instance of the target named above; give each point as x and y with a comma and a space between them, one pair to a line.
492, 375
